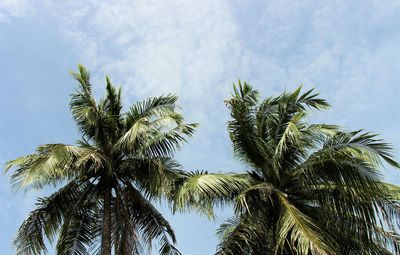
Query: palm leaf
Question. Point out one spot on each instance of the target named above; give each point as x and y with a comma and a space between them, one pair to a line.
52, 164
47, 218
149, 221
301, 232
201, 190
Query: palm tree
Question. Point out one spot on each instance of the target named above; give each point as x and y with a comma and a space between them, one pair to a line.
122, 163
310, 189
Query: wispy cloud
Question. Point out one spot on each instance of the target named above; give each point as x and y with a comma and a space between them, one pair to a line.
348, 50
15, 9
189, 48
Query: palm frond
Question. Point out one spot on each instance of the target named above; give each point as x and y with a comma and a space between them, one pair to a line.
153, 177
83, 106
392, 190
79, 231
47, 218
164, 144
242, 126
149, 221
113, 104
354, 157
152, 107
159, 137
201, 190
361, 145
238, 237
53, 164
301, 232
112, 107
257, 193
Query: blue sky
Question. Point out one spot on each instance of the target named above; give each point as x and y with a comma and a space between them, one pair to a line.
347, 50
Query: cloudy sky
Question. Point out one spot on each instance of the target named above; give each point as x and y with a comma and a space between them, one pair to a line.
347, 50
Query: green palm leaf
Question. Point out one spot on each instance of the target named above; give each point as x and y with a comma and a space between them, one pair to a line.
123, 161
311, 189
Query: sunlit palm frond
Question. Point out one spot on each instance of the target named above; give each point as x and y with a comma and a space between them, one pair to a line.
291, 135
289, 103
164, 144
392, 191
159, 137
301, 232
152, 107
52, 164
355, 159
201, 190
362, 145
154, 128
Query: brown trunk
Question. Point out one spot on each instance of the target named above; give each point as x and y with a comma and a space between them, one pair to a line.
106, 233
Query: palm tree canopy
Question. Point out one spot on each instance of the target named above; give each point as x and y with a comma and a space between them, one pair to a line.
311, 188
123, 156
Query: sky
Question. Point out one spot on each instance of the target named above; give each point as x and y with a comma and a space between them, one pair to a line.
347, 50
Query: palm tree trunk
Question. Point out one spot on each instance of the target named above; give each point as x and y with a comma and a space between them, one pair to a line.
106, 233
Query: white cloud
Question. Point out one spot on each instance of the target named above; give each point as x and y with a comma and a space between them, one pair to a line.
154, 47
196, 49
15, 9
347, 49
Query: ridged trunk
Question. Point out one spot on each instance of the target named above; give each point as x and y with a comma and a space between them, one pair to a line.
106, 231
